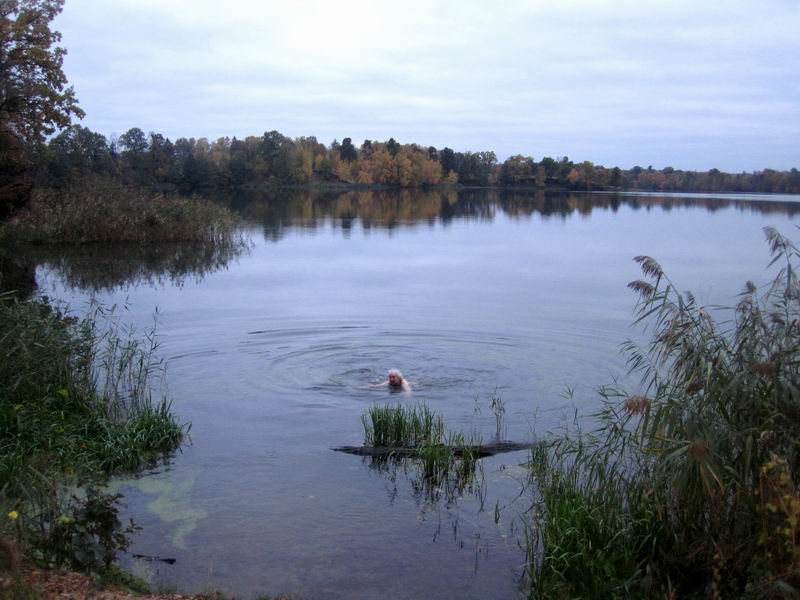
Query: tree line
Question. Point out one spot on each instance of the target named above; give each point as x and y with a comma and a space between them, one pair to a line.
40, 145
190, 165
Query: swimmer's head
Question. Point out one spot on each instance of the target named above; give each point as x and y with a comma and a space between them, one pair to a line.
395, 378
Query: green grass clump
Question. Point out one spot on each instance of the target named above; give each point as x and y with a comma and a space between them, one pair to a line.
689, 488
76, 405
448, 466
592, 526
75, 395
444, 462
105, 210
407, 426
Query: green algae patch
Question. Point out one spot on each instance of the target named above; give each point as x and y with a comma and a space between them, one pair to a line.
171, 503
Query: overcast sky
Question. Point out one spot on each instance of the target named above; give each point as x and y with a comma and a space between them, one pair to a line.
689, 84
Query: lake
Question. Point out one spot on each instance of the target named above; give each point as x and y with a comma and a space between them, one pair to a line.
271, 348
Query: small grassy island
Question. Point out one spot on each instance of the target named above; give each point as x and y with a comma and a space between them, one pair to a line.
106, 210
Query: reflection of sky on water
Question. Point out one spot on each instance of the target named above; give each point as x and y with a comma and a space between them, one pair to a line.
270, 358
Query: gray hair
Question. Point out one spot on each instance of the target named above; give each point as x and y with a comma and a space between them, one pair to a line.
396, 372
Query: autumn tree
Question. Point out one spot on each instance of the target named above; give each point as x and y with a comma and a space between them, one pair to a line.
34, 98
518, 170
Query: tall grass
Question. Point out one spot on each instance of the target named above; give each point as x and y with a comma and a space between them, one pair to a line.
77, 404
407, 426
76, 394
448, 467
443, 462
105, 210
690, 487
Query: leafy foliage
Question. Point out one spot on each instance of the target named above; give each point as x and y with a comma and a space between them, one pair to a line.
62, 529
191, 165
443, 463
34, 97
75, 395
406, 426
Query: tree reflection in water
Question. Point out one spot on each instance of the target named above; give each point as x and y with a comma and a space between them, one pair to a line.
278, 211
98, 267
106, 267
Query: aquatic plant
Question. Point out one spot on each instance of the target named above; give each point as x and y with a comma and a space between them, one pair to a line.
498, 406
105, 210
590, 525
689, 487
408, 426
452, 460
77, 394
76, 405
442, 462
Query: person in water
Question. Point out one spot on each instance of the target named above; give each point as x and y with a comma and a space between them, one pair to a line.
396, 381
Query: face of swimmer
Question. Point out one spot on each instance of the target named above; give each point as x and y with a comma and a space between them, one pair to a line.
395, 379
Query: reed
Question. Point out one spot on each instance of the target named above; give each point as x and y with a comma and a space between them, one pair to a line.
498, 406
407, 426
444, 462
77, 404
77, 394
105, 210
690, 486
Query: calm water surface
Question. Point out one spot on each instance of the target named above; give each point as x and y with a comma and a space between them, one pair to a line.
270, 352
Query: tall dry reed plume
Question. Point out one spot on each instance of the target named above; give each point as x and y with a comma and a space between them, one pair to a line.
689, 487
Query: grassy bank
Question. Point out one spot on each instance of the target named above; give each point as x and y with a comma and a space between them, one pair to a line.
76, 405
105, 210
688, 488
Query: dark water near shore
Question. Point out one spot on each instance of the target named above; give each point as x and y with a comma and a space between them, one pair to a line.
270, 351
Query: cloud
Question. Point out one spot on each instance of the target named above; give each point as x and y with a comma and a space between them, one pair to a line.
680, 83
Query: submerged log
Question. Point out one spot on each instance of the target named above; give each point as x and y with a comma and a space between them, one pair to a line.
169, 561
484, 450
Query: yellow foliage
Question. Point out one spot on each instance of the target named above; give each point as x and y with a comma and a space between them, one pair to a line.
780, 506
573, 176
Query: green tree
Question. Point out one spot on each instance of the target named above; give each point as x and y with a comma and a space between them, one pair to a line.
34, 98
348, 150
448, 159
134, 149
616, 177
518, 170
366, 149
77, 151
